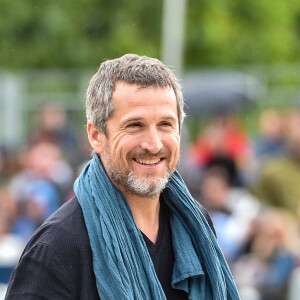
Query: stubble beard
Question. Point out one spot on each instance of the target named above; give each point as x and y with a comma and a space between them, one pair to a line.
146, 188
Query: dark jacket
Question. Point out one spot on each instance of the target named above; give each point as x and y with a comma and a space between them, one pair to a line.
57, 262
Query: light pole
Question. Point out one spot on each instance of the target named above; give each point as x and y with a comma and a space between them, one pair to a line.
173, 34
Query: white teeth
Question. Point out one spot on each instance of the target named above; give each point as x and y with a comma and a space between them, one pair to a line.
148, 161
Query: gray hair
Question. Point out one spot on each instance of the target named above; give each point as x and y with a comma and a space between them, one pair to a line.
133, 69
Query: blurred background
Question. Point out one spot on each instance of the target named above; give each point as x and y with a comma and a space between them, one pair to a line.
239, 64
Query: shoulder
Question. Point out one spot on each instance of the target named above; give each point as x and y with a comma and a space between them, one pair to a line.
64, 232
58, 253
40, 273
65, 222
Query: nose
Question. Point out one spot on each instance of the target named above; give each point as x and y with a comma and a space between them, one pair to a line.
152, 141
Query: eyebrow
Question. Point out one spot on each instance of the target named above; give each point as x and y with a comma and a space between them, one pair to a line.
133, 119
137, 119
170, 118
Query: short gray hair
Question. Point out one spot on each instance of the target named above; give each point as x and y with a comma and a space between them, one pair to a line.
133, 69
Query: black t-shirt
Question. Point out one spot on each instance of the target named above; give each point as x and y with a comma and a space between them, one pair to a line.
162, 255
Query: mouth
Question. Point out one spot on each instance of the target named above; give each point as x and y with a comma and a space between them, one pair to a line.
148, 161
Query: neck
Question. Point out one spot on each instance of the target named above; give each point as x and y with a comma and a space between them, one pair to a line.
146, 214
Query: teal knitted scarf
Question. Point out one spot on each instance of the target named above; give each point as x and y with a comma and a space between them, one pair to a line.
121, 261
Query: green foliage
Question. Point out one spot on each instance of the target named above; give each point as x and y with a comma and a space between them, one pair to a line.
242, 32
81, 33
40, 34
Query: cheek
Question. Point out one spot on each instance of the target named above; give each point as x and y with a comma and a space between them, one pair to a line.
173, 145
122, 147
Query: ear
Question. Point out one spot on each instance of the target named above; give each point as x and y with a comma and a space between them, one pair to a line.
96, 137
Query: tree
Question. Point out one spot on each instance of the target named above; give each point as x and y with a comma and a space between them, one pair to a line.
81, 33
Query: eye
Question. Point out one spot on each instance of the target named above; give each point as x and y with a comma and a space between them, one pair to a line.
135, 124
166, 124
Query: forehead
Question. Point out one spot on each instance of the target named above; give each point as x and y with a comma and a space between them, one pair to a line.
133, 95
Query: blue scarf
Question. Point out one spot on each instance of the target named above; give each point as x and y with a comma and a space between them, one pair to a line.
121, 261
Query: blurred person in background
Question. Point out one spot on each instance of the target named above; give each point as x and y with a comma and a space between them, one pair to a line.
272, 258
8, 164
231, 208
278, 183
223, 137
40, 188
268, 144
270, 141
11, 245
133, 231
51, 126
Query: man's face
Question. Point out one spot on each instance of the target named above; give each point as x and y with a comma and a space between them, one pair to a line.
142, 146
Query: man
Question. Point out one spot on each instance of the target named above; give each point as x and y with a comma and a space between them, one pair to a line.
278, 181
133, 231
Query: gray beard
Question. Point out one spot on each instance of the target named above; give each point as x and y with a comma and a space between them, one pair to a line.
145, 188
135, 185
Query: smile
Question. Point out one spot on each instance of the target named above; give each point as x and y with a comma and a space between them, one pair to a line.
148, 162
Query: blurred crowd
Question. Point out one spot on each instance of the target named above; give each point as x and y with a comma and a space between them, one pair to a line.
249, 184
35, 180
251, 187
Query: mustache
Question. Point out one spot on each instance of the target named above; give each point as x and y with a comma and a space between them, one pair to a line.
146, 154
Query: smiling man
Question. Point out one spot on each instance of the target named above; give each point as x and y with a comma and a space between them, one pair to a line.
133, 231
143, 145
